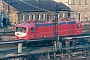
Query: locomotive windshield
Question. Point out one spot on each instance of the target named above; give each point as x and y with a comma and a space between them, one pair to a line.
21, 29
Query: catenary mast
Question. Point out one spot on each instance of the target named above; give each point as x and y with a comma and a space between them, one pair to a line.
55, 22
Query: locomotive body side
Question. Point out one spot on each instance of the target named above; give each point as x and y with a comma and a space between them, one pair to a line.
45, 30
63, 30
68, 28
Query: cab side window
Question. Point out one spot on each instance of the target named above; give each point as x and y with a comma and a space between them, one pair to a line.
78, 25
23, 30
32, 29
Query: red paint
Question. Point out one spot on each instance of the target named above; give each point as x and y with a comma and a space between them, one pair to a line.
47, 31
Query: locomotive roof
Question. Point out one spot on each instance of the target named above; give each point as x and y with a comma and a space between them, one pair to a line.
68, 22
25, 25
62, 22
44, 24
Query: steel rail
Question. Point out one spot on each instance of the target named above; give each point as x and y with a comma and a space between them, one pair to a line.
40, 50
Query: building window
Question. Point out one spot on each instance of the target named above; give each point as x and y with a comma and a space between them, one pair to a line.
79, 2
33, 16
73, 2
38, 17
58, 16
28, 17
85, 15
22, 17
72, 15
63, 15
85, 2
52, 16
43, 16
68, 2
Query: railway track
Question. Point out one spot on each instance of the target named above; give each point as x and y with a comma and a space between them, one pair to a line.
12, 48
74, 39
40, 50
7, 35
11, 51
7, 46
76, 45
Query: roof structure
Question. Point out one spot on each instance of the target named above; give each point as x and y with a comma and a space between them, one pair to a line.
35, 6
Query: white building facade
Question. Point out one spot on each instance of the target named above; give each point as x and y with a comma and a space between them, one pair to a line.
80, 7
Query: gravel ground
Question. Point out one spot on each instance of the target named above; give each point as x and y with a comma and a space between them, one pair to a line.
35, 57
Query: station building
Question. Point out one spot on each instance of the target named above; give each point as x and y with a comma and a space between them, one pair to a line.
18, 11
80, 7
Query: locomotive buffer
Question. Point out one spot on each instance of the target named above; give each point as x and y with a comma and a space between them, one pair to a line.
55, 29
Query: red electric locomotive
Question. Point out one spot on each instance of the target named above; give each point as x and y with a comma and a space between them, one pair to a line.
32, 30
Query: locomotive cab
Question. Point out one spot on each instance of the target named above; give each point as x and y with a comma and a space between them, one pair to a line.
20, 32
24, 31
